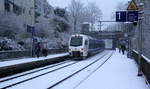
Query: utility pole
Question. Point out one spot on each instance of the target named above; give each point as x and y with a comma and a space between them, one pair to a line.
100, 26
128, 35
127, 38
140, 38
32, 9
139, 47
30, 25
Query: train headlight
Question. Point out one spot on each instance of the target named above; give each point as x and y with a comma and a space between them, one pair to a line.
77, 35
81, 49
69, 49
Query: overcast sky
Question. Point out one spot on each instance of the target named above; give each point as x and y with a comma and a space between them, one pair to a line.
107, 6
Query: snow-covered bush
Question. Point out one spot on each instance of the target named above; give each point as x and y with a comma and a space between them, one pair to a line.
9, 44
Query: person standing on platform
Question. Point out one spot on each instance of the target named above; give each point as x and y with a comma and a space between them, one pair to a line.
123, 48
38, 49
44, 52
119, 47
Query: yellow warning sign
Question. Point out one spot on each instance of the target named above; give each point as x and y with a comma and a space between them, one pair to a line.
132, 6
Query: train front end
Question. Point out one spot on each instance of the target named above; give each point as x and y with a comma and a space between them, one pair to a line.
76, 46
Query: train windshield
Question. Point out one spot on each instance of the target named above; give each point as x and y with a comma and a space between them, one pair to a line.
76, 41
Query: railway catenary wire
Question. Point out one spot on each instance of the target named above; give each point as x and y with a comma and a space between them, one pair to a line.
38, 76
59, 82
47, 67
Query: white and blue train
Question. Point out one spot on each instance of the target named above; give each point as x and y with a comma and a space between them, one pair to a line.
82, 45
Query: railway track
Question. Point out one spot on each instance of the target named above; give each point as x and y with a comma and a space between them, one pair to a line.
30, 72
59, 66
102, 63
49, 71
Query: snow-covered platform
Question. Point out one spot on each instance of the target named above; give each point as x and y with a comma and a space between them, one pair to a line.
119, 72
26, 60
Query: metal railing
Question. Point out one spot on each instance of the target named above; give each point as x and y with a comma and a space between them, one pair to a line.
145, 64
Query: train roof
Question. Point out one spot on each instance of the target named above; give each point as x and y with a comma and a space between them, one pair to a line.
86, 36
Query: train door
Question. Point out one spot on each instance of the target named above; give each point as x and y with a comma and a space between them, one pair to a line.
86, 47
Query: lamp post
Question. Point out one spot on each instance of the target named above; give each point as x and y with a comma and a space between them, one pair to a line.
30, 25
32, 10
128, 38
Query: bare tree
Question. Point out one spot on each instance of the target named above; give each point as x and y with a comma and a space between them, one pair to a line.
92, 13
75, 9
80, 13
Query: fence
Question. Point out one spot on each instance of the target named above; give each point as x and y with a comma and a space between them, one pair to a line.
145, 64
4, 55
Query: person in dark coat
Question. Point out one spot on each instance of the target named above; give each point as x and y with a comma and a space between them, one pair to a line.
38, 49
44, 52
123, 48
119, 47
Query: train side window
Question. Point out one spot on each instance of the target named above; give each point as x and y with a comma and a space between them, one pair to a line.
86, 42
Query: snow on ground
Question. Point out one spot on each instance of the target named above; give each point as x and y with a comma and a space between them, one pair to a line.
25, 60
76, 80
51, 78
119, 72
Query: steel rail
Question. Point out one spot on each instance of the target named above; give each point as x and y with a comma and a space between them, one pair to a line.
50, 66
93, 72
37, 76
75, 73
